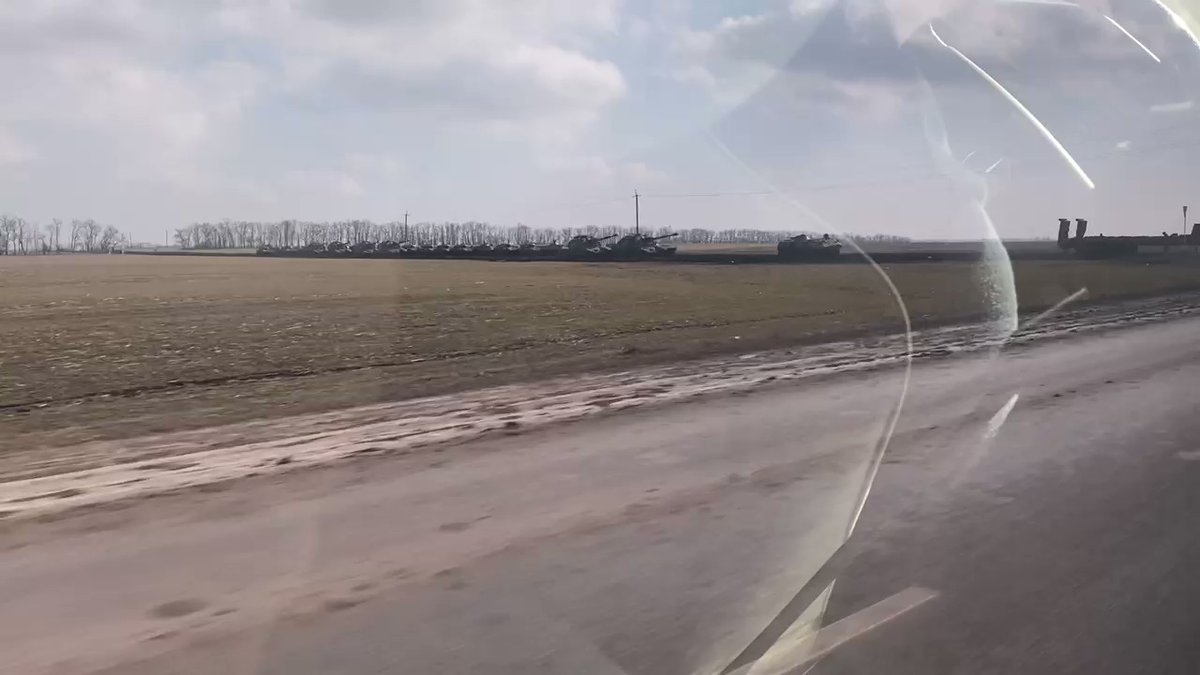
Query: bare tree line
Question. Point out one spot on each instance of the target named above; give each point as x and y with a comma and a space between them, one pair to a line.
22, 237
293, 233
19, 236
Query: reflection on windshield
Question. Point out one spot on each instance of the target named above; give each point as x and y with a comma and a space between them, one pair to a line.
457, 337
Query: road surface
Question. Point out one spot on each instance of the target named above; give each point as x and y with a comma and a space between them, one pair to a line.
1033, 514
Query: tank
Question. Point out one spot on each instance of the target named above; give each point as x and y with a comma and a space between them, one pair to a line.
526, 249
550, 250
362, 248
392, 248
804, 247
642, 246
589, 246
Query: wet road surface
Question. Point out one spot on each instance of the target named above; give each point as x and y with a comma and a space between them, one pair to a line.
1034, 511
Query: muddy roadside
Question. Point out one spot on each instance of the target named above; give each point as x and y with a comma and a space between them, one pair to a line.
45, 482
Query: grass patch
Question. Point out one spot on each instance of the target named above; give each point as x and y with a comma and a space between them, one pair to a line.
114, 346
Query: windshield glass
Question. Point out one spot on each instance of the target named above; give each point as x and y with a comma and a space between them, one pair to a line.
544, 337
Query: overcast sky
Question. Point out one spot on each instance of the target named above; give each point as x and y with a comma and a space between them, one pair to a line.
808, 114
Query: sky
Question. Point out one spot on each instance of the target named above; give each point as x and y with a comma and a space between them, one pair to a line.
923, 118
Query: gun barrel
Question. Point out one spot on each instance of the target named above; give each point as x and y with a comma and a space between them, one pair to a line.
604, 238
665, 236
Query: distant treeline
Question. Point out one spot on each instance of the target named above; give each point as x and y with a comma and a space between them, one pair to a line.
22, 237
246, 234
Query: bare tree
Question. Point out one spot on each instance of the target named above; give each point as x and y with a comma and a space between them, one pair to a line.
298, 234
91, 235
53, 233
19, 234
110, 237
7, 230
34, 241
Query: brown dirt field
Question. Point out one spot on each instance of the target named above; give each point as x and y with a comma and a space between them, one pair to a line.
116, 346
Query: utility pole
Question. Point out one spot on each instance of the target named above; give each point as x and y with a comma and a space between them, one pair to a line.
637, 218
1185, 231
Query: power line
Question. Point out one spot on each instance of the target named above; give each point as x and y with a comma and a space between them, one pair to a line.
637, 213
1133, 151
707, 194
580, 205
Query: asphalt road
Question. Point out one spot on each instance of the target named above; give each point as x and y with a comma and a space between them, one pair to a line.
1034, 513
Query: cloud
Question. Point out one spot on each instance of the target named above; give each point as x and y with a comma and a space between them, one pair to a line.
108, 72
369, 164
868, 57
860, 42
802, 8
739, 54
642, 174
507, 67
141, 111
175, 76
1178, 106
350, 178
13, 150
242, 101
326, 181
809, 52
597, 172
42, 25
